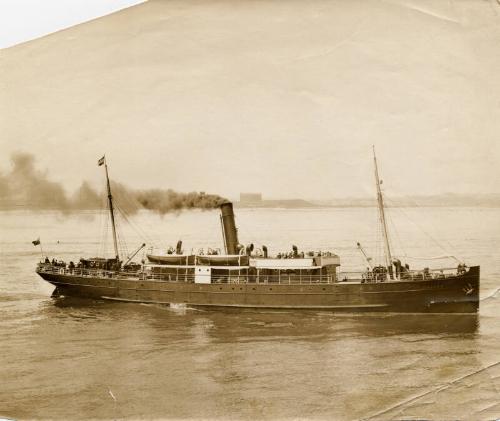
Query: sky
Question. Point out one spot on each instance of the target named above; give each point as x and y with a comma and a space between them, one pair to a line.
284, 98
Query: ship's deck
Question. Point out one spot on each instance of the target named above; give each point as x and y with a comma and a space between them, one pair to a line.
237, 278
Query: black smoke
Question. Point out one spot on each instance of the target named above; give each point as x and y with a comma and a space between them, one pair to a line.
164, 201
27, 187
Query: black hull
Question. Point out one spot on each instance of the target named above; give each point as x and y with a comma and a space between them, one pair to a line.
454, 294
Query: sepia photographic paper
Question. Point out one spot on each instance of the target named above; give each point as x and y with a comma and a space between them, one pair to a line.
249, 210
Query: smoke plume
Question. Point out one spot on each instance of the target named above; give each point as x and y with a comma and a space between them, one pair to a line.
164, 201
27, 187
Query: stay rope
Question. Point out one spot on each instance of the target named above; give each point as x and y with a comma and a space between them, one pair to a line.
446, 252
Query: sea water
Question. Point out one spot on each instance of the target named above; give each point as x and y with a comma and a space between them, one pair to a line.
65, 358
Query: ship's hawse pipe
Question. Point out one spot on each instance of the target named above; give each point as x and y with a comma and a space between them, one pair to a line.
229, 231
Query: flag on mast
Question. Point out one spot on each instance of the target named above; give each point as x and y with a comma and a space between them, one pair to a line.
36, 242
100, 162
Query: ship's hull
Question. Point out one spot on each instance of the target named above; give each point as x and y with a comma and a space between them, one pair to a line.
455, 294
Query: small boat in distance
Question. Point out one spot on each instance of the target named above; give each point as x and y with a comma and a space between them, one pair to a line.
250, 278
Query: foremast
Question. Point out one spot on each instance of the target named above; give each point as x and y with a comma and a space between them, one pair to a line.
383, 223
102, 161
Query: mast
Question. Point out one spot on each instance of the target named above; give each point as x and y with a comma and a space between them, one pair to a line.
111, 209
380, 201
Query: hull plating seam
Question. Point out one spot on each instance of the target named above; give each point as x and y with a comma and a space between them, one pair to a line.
245, 305
81, 285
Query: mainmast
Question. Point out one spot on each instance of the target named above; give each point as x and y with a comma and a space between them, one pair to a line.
380, 201
111, 209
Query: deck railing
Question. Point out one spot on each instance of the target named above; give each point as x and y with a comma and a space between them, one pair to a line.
282, 279
285, 279
246, 279
85, 272
409, 275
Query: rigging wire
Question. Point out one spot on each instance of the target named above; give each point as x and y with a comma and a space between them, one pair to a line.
135, 227
121, 242
122, 245
380, 245
129, 208
396, 231
104, 240
105, 218
98, 244
434, 240
450, 245
379, 253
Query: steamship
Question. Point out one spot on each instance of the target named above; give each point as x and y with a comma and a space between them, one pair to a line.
245, 277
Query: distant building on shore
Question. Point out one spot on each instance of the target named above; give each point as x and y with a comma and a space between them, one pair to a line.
251, 198
254, 200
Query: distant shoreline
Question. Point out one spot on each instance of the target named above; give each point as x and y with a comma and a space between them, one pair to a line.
442, 201
450, 200
313, 206
255, 207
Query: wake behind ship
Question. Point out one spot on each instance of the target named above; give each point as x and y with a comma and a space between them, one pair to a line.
250, 278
